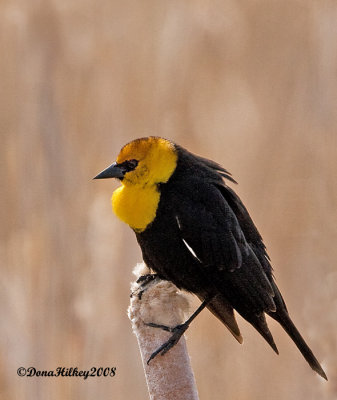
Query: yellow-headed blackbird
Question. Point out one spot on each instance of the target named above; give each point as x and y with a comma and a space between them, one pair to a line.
194, 231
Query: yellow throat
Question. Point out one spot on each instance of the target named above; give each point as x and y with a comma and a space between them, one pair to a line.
136, 201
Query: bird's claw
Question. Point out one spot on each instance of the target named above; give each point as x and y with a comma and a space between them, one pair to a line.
143, 280
163, 327
177, 331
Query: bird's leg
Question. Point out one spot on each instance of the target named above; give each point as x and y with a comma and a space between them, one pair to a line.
177, 331
143, 280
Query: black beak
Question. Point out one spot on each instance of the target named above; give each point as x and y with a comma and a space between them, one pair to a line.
111, 172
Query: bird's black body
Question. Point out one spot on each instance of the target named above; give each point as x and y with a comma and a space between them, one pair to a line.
204, 241
194, 231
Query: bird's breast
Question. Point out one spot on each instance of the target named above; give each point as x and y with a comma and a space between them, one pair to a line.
135, 205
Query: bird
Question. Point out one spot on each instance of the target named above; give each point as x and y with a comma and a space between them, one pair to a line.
194, 231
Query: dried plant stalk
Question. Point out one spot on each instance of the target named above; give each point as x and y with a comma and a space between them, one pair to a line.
169, 376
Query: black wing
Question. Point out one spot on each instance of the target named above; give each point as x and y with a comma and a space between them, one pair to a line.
212, 232
211, 229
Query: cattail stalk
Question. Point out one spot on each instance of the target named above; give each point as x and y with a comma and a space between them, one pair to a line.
169, 376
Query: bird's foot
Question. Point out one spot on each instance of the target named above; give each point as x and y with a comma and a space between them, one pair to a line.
143, 280
177, 331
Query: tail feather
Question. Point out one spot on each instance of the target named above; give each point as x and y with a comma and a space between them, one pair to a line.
220, 307
260, 324
287, 324
283, 318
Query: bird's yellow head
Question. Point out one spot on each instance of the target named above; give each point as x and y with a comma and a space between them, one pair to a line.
145, 161
141, 165
150, 160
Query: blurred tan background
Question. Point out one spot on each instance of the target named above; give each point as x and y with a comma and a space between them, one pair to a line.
250, 84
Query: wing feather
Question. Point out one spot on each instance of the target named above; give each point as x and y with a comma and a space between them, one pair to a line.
210, 227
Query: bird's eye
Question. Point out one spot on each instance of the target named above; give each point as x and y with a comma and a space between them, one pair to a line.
129, 165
